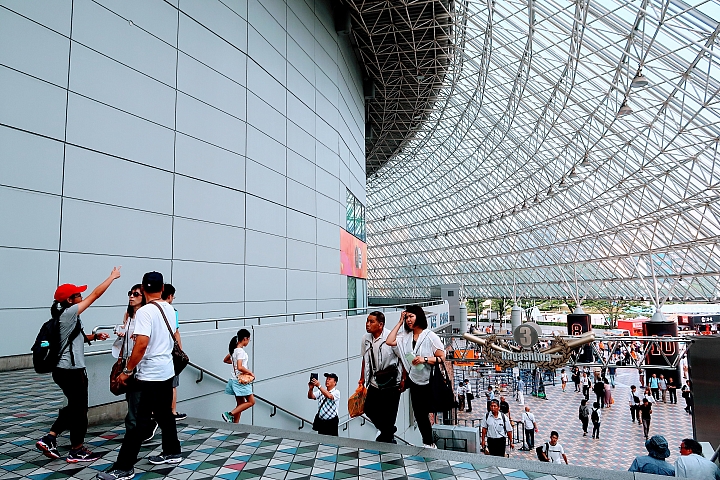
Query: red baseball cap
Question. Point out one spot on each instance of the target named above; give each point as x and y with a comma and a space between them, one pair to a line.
67, 290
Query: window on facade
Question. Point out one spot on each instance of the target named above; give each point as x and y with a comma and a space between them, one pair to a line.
355, 216
352, 292
451, 293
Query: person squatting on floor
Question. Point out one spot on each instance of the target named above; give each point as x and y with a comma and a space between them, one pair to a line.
238, 358
654, 462
152, 365
418, 348
70, 374
382, 375
326, 420
496, 431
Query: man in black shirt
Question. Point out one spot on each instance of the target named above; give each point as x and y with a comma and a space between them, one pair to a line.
505, 407
645, 411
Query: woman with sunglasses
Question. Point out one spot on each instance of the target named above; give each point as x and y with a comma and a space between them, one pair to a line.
418, 348
124, 346
70, 374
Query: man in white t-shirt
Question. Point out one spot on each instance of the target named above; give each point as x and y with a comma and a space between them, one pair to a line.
151, 362
461, 392
553, 450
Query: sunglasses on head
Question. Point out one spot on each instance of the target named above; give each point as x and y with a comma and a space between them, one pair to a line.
134, 294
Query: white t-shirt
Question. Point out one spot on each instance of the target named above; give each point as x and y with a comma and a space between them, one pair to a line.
238, 354
563, 377
528, 420
695, 466
461, 390
555, 453
156, 365
425, 346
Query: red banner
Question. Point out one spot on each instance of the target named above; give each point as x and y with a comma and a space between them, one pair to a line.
353, 256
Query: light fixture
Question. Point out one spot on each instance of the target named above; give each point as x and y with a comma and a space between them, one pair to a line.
639, 80
537, 198
624, 109
562, 181
586, 160
572, 173
550, 190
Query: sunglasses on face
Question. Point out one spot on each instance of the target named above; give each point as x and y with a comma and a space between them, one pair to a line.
134, 294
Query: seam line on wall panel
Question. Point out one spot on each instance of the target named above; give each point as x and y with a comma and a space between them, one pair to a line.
62, 182
174, 172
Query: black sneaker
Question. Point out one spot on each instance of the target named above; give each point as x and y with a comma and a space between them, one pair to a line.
180, 416
163, 458
152, 432
81, 454
48, 446
116, 475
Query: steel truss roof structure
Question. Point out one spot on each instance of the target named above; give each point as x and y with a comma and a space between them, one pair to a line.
524, 179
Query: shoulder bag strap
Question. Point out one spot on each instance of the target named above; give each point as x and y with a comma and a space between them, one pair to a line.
167, 324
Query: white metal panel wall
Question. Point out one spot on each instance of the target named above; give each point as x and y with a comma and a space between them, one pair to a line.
212, 141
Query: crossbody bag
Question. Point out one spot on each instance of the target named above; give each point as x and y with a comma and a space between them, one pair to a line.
385, 378
180, 359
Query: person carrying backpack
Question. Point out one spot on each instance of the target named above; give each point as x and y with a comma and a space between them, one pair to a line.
596, 416
69, 373
584, 415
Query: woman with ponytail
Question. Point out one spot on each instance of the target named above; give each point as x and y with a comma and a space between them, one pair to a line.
70, 373
242, 391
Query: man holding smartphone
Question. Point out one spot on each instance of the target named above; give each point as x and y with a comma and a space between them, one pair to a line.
326, 420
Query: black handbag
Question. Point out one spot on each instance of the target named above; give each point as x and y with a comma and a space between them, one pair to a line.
385, 378
442, 396
118, 368
317, 421
180, 358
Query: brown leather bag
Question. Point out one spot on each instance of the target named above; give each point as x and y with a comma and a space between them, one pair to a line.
116, 387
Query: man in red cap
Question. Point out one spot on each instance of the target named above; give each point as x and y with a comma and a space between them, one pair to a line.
70, 373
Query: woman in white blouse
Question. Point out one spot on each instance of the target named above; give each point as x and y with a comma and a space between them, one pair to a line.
418, 349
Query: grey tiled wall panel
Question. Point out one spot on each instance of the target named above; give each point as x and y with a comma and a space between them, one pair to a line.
210, 140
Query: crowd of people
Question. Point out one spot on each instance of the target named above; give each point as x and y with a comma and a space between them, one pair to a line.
392, 361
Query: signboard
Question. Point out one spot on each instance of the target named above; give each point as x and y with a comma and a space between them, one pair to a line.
353, 256
437, 320
467, 355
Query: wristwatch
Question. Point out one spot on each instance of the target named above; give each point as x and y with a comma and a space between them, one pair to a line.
426, 360
128, 372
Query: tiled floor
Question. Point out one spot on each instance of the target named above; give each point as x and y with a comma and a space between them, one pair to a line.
620, 440
28, 404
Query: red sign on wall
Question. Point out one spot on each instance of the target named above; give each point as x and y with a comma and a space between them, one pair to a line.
353, 256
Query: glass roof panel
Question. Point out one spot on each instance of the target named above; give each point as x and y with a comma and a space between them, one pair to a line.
524, 174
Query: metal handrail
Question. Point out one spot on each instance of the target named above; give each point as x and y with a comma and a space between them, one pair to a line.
294, 315
277, 407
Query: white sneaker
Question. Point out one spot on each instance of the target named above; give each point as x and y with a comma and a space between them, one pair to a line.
432, 445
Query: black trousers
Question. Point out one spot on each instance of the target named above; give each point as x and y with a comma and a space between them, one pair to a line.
381, 408
655, 393
585, 421
420, 397
74, 384
596, 430
155, 399
586, 391
496, 446
634, 413
469, 401
673, 395
328, 427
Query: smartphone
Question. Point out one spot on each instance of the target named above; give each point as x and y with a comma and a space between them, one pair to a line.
313, 376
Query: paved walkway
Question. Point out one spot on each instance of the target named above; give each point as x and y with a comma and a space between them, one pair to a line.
620, 440
29, 402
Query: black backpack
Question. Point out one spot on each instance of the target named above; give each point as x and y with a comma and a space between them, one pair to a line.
595, 417
47, 348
